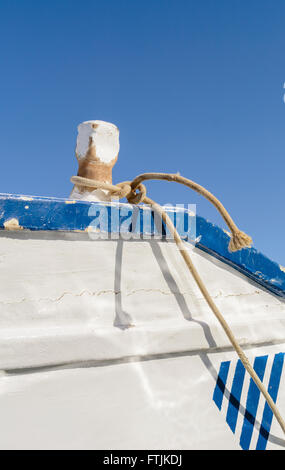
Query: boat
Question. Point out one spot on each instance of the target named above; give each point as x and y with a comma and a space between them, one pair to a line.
106, 341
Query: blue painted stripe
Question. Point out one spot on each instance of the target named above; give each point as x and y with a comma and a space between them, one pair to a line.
221, 384
252, 403
43, 213
273, 387
234, 400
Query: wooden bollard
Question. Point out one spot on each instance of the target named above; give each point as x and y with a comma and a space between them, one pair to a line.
97, 150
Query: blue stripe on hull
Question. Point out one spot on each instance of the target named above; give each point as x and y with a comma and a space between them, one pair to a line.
273, 387
252, 403
221, 383
235, 395
252, 399
39, 213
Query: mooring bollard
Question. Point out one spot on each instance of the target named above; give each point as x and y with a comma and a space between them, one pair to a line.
97, 150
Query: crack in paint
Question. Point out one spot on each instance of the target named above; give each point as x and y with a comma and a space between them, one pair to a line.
120, 292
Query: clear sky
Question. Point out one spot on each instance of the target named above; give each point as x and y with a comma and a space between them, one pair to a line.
195, 86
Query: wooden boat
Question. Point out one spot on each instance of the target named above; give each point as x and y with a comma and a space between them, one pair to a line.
107, 343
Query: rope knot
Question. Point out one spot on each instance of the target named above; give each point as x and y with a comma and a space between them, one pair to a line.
124, 191
137, 194
133, 196
239, 240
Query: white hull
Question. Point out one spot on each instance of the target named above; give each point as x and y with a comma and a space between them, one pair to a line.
110, 345
163, 403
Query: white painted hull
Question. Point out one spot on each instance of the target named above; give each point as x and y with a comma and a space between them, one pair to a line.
164, 403
110, 345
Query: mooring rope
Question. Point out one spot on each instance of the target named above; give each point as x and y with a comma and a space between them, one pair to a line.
135, 192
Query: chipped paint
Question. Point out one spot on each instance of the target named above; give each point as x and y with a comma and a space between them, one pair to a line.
226, 231
97, 151
12, 224
275, 281
92, 229
26, 198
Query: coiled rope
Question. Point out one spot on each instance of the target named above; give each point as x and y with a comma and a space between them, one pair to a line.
135, 192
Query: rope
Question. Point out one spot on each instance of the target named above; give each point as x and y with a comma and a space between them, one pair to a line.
239, 240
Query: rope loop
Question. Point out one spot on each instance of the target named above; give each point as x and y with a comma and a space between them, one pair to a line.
124, 191
120, 190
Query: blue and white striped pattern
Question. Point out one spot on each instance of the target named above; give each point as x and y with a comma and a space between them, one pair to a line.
246, 412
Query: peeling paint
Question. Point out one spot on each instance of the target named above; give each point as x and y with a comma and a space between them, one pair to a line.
275, 281
228, 233
12, 224
91, 229
26, 198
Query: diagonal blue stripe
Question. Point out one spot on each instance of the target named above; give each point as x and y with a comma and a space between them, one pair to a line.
273, 387
234, 400
221, 383
252, 403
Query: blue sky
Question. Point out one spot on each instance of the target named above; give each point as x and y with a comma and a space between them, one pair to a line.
194, 86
